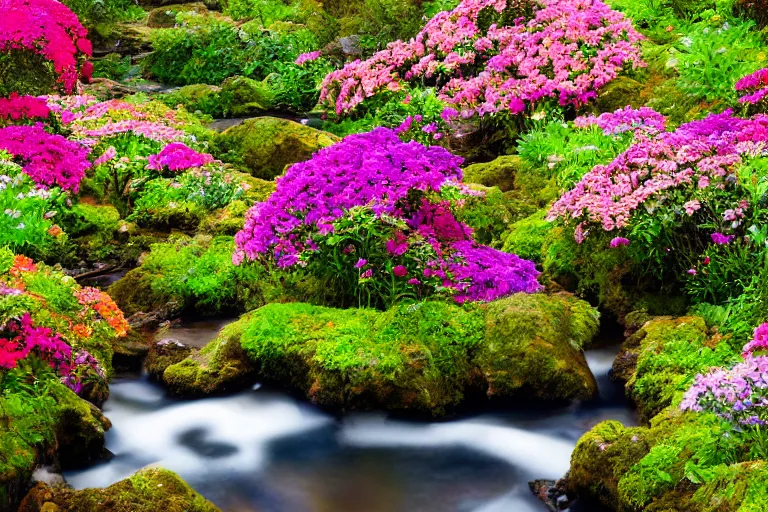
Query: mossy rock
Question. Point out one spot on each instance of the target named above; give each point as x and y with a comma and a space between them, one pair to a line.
497, 173
660, 360
165, 17
122, 38
57, 428
220, 366
527, 237
149, 490
489, 214
195, 98
602, 457
618, 93
245, 97
424, 358
134, 293
163, 353
266, 145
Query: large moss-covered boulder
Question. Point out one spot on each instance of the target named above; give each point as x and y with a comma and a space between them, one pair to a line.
56, 427
425, 358
265, 145
196, 97
149, 490
165, 16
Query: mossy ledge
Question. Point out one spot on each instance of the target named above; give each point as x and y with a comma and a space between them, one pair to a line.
423, 358
149, 490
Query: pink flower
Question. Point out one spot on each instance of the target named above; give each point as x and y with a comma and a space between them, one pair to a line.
361, 263
400, 271
691, 206
177, 156
307, 57
619, 241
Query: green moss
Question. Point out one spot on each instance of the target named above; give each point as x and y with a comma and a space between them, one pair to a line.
602, 457
423, 358
670, 352
51, 423
741, 488
196, 98
265, 145
618, 93
527, 237
498, 173
148, 490
244, 97
489, 214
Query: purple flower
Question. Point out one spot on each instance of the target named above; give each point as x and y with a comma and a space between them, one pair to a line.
361, 263
721, 239
619, 241
414, 282
400, 271
692, 271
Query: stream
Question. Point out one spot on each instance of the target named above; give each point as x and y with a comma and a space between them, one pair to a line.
263, 450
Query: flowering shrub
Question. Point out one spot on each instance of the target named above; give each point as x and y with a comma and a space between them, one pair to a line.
567, 51
697, 156
47, 28
18, 108
50, 160
376, 213
46, 315
754, 87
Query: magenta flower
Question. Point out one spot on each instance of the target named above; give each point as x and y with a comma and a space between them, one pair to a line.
367, 274
307, 57
400, 271
361, 263
759, 343
721, 239
692, 271
177, 156
619, 241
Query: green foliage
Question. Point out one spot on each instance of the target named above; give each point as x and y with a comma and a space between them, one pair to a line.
527, 237
114, 66
265, 12
93, 11
568, 153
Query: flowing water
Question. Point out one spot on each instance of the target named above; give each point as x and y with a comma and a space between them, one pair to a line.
261, 450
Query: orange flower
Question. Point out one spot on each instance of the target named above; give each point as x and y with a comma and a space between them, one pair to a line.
82, 331
55, 230
22, 264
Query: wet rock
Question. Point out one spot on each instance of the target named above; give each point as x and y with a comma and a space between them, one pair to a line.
266, 145
149, 490
122, 38
163, 353
106, 89
552, 493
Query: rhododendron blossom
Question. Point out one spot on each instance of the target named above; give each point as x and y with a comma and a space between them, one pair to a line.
47, 28
566, 51
755, 84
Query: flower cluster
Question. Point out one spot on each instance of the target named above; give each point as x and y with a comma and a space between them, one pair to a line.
307, 57
642, 120
26, 338
696, 156
102, 303
17, 108
177, 156
47, 28
566, 52
380, 200
759, 343
50, 160
152, 130
738, 394
755, 85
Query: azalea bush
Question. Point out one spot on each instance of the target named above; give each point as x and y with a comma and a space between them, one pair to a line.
375, 216
49, 29
46, 317
489, 56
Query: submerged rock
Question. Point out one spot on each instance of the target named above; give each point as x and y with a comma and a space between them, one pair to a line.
265, 145
149, 490
163, 353
425, 358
